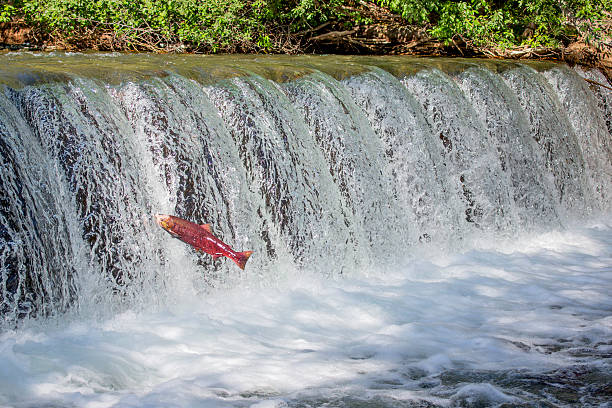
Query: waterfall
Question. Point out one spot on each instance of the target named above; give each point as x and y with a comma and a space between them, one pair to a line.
588, 123
498, 108
330, 164
550, 127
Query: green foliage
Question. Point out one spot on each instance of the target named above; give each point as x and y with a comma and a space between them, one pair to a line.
7, 12
208, 24
262, 25
589, 19
507, 23
413, 11
211, 25
307, 14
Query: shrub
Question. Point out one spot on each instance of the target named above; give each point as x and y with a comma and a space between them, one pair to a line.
509, 23
264, 25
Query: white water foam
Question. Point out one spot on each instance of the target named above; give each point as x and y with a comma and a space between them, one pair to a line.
524, 308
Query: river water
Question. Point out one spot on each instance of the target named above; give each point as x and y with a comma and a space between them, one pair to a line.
427, 232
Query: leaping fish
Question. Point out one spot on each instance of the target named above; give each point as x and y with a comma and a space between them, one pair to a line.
201, 238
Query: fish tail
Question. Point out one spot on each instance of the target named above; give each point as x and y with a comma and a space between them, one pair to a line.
242, 258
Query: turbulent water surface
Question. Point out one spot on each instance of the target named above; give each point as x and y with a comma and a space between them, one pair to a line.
427, 232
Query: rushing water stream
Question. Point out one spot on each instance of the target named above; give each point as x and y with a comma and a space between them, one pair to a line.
427, 232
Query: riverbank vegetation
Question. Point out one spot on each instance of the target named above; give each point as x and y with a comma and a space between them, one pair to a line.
471, 27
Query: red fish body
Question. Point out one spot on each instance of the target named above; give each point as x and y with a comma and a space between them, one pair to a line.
201, 238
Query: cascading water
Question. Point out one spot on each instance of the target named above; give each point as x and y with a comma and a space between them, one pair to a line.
592, 134
352, 179
551, 129
418, 183
498, 108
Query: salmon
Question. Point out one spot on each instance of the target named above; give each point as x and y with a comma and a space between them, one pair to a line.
201, 238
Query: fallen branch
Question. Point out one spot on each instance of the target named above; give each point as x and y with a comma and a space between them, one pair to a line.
590, 81
457, 45
333, 35
312, 30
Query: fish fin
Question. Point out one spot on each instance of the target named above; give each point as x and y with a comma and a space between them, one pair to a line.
215, 256
243, 257
206, 227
